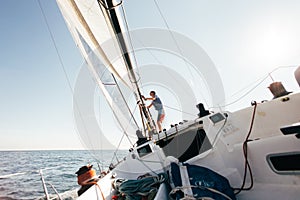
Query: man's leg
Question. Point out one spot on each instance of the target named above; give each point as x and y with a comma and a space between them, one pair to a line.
159, 126
159, 121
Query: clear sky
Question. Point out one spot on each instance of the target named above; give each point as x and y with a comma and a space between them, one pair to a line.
245, 40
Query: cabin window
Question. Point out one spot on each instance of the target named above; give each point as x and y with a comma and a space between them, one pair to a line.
145, 150
286, 163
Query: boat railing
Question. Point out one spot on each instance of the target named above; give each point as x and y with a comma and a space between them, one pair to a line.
45, 187
54, 194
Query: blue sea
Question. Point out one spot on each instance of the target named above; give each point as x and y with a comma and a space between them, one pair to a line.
20, 177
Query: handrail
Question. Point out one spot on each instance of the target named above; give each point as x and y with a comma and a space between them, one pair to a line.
45, 187
44, 184
52, 186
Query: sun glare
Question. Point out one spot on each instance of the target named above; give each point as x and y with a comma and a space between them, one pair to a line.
274, 43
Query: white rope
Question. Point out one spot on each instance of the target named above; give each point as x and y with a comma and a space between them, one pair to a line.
181, 188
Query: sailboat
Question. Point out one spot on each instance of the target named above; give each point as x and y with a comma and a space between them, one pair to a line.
252, 153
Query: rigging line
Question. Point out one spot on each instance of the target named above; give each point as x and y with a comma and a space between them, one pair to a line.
161, 162
166, 24
130, 43
99, 84
159, 62
123, 98
268, 74
125, 128
262, 79
165, 69
63, 67
101, 135
131, 136
147, 166
178, 110
178, 47
115, 152
116, 116
128, 138
132, 117
248, 92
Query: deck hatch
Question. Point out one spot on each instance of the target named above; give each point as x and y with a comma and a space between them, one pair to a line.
292, 129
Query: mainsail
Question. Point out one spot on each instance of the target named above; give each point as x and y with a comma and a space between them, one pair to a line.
98, 33
88, 26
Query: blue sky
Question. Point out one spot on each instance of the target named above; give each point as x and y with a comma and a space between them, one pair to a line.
245, 39
36, 103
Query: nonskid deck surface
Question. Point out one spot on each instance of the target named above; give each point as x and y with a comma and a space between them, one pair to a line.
271, 192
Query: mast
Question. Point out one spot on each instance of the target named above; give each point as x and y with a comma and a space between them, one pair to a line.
113, 16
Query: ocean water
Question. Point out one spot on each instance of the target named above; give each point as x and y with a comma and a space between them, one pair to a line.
20, 178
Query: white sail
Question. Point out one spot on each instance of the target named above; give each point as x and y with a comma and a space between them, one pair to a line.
89, 27
97, 43
100, 33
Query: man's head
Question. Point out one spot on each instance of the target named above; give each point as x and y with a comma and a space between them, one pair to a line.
152, 93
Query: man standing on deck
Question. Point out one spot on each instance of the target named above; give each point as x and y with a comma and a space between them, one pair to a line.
156, 102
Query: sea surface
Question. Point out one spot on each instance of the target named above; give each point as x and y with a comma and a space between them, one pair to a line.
20, 177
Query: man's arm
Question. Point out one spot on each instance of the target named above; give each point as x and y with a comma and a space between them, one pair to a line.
148, 98
149, 105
